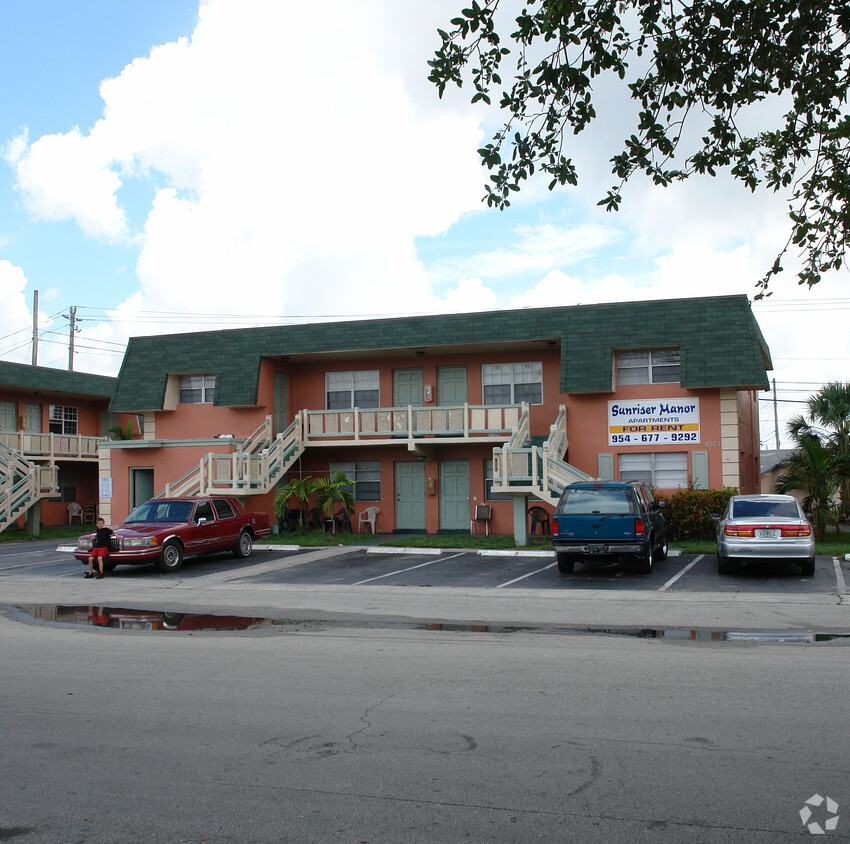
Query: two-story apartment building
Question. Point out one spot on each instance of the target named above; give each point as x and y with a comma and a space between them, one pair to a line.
51, 421
432, 415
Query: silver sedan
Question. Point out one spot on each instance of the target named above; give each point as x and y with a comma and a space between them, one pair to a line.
764, 527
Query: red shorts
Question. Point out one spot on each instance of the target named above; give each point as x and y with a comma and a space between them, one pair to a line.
99, 552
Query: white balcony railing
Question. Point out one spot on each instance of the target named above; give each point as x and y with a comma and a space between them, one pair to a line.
51, 446
462, 422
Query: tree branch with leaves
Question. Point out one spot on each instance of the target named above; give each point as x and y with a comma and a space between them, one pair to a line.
712, 61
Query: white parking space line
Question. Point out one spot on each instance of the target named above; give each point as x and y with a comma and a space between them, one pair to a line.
839, 576
517, 579
685, 570
40, 552
409, 568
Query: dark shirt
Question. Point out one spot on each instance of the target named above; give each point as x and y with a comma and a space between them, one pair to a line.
102, 538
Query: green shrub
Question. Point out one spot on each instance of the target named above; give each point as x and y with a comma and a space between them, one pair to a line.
688, 513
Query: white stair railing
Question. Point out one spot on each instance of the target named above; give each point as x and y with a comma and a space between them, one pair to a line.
246, 471
22, 484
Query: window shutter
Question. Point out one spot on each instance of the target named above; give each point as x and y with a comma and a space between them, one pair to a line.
606, 466
699, 466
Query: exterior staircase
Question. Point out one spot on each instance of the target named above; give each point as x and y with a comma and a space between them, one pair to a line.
22, 484
254, 468
524, 468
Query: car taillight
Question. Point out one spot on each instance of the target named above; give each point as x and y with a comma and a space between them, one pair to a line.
734, 530
554, 527
640, 527
797, 530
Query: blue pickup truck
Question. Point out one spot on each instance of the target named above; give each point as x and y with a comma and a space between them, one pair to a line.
604, 520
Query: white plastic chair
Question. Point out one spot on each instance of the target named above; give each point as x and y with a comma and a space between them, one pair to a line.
75, 512
369, 516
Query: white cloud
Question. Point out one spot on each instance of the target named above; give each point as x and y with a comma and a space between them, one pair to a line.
284, 160
16, 315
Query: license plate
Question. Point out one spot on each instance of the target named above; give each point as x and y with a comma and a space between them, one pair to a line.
767, 533
597, 549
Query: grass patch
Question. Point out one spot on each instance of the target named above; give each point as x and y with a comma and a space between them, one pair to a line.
316, 538
14, 534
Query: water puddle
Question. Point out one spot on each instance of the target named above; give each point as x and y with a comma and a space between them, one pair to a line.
124, 618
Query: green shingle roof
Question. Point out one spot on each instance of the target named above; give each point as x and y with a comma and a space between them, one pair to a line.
49, 380
720, 341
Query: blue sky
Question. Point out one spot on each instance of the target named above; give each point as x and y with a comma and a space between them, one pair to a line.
168, 166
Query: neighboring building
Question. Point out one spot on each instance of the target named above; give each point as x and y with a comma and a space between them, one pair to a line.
771, 468
432, 415
51, 421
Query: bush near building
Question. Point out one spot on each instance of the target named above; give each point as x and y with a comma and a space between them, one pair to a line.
688, 513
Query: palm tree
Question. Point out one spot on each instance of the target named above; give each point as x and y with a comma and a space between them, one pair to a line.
810, 469
830, 408
300, 488
331, 492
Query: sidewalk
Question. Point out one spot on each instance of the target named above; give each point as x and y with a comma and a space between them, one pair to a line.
232, 592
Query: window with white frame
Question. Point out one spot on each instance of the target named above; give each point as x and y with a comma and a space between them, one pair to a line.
648, 366
197, 389
661, 470
344, 390
512, 383
366, 475
489, 495
63, 420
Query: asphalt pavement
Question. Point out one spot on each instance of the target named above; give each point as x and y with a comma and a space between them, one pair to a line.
450, 586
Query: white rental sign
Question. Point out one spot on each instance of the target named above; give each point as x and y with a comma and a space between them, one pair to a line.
651, 421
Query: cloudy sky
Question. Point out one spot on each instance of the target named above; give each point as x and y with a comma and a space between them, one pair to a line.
169, 166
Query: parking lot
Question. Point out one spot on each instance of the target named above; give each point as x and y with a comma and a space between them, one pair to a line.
421, 568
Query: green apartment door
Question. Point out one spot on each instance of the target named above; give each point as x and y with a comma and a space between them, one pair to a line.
454, 495
7, 416
407, 387
410, 495
280, 413
451, 385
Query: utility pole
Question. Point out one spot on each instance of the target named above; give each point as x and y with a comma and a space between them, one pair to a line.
775, 416
35, 328
73, 319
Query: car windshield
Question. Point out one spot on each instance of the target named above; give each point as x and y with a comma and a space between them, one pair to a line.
161, 511
596, 501
765, 508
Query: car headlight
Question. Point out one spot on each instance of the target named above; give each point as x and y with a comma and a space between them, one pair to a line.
138, 541
84, 542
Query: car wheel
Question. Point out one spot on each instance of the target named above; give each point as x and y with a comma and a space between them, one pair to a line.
723, 564
171, 557
643, 560
244, 546
660, 553
809, 567
566, 563
109, 565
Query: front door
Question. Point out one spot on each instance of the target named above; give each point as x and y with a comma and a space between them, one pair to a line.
280, 413
7, 416
454, 495
410, 495
33, 414
451, 385
141, 486
407, 387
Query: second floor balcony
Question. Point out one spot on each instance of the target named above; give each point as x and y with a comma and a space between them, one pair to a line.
390, 425
51, 447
